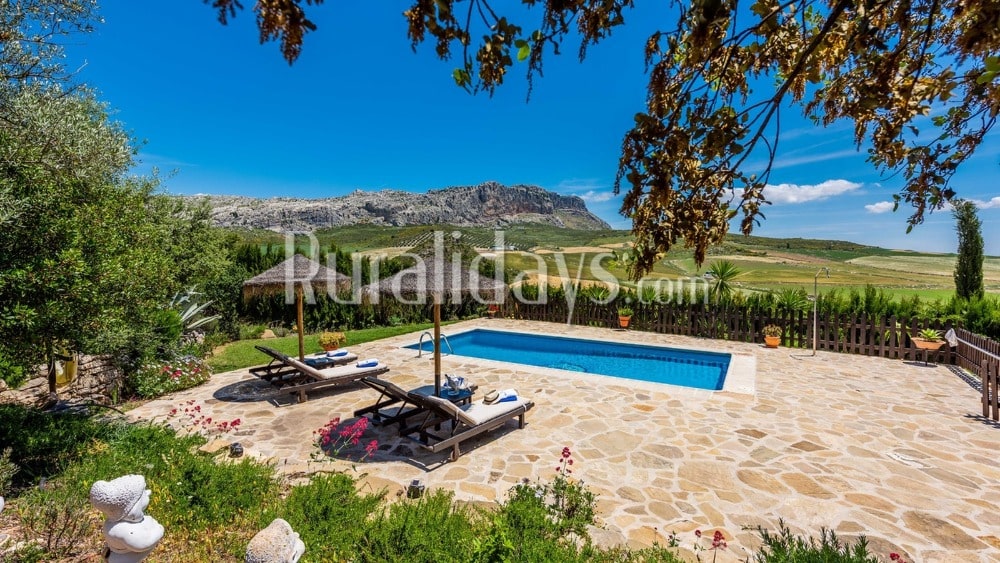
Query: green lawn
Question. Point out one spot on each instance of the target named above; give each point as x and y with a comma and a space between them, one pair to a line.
242, 354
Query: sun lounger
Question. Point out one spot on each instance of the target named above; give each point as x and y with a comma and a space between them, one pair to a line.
277, 368
298, 378
393, 405
461, 422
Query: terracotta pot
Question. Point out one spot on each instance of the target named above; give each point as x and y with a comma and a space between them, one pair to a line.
623, 321
330, 347
932, 345
772, 341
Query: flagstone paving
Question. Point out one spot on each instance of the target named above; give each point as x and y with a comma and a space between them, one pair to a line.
893, 450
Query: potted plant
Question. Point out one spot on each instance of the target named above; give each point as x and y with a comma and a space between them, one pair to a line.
624, 316
331, 340
928, 339
772, 335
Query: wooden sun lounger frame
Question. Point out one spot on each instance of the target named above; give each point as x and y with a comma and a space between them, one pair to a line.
391, 395
298, 378
438, 414
277, 371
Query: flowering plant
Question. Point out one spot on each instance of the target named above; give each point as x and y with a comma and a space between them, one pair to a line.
190, 418
718, 542
153, 380
331, 439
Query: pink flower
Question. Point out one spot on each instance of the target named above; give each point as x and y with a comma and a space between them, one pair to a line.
371, 447
718, 540
697, 533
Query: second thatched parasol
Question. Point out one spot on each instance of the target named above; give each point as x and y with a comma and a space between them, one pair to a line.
435, 277
300, 276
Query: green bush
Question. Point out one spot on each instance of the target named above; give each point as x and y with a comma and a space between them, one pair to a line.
328, 502
7, 470
160, 378
432, 528
44, 444
251, 332
784, 547
57, 517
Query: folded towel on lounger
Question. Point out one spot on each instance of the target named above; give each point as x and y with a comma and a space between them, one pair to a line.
336, 353
504, 396
368, 363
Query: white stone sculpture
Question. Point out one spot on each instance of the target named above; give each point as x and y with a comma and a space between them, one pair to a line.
277, 543
130, 534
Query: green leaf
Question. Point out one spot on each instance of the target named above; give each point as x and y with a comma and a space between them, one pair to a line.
523, 52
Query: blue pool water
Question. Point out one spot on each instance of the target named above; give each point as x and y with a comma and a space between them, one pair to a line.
703, 370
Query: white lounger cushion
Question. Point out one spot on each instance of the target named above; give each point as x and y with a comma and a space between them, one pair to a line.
341, 371
475, 414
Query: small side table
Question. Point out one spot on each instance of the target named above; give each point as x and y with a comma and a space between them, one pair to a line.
462, 397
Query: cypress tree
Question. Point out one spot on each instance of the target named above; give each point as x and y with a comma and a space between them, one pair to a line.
969, 267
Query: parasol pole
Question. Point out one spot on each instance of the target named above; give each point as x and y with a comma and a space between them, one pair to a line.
298, 320
437, 344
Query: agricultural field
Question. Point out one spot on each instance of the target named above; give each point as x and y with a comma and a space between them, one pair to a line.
543, 252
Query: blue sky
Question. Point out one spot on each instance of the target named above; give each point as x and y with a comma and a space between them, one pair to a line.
360, 110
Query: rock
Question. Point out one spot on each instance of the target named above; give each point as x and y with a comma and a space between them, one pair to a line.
277, 543
268, 333
487, 205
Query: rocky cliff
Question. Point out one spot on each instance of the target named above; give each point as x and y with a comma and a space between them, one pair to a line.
486, 205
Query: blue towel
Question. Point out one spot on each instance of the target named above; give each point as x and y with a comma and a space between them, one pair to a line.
336, 353
507, 395
368, 363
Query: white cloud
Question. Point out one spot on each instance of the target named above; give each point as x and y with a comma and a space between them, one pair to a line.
789, 161
573, 185
991, 204
880, 207
594, 196
795, 193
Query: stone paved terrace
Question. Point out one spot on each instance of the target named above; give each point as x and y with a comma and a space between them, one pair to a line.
895, 450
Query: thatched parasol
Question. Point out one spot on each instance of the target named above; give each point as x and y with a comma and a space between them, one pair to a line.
437, 277
298, 274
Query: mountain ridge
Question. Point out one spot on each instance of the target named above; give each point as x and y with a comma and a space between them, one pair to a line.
489, 204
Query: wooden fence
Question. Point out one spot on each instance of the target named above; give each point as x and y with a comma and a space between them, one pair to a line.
851, 334
887, 337
981, 355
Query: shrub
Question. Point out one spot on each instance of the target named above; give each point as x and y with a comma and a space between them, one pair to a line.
328, 502
331, 339
784, 547
43, 444
156, 379
57, 517
432, 528
251, 332
7, 470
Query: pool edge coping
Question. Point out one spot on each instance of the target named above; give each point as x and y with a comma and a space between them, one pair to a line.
740, 379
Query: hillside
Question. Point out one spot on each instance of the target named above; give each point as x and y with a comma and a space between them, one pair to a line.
489, 205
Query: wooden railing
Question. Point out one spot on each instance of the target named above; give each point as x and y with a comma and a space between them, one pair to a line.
981, 355
887, 337
851, 334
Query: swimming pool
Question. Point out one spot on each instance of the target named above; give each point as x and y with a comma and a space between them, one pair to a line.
691, 368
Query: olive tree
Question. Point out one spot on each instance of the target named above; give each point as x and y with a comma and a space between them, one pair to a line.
917, 78
80, 258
